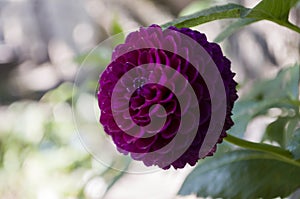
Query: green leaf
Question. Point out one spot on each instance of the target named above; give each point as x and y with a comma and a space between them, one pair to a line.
274, 10
210, 14
280, 92
60, 94
291, 127
224, 148
242, 115
220, 177
283, 86
276, 131
283, 132
294, 144
99, 56
232, 28
292, 81
117, 31
245, 110
116, 28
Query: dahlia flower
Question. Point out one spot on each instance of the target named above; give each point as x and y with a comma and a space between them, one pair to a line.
164, 93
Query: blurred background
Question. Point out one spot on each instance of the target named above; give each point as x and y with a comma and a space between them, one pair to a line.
42, 46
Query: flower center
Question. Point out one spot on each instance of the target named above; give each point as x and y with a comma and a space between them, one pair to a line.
139, 82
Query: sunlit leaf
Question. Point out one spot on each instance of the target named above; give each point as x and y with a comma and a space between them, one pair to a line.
210, 14
276, 11
272, 9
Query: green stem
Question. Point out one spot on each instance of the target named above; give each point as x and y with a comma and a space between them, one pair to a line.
258, 146
282, 154
288, 25
293, 27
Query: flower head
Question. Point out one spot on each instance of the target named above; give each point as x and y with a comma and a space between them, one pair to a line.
159, 93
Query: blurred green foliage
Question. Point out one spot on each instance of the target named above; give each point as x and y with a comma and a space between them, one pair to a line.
41, 152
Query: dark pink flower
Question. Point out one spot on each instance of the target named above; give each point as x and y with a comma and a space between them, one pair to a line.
136, 94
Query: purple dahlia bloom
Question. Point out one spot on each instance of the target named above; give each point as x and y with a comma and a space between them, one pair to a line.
156, 67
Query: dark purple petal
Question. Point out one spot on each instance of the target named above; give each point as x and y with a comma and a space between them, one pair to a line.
147, 95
